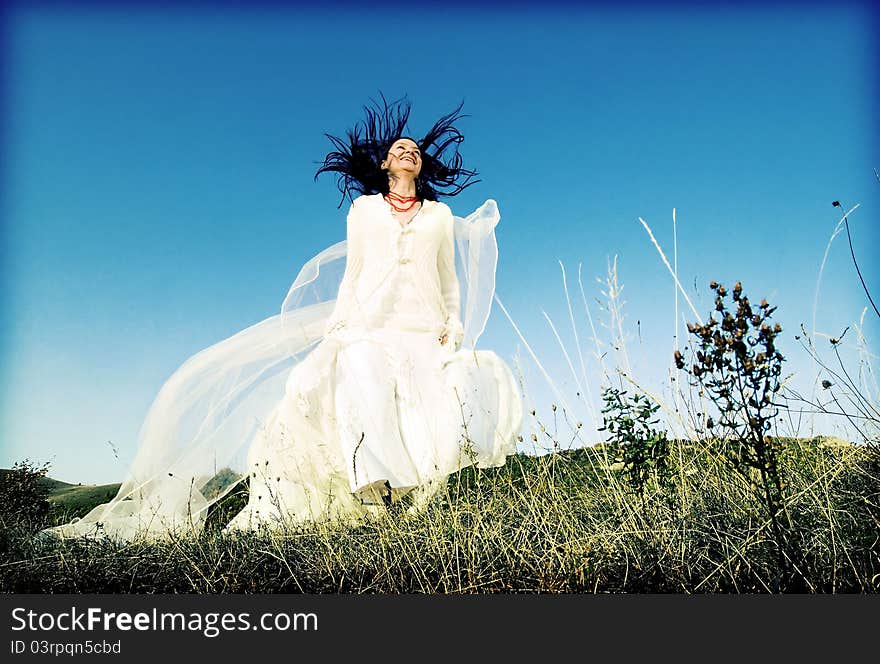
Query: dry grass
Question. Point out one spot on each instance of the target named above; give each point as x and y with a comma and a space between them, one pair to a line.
564, 522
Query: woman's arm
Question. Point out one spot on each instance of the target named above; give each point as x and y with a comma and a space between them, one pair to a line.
353, 263
449, 286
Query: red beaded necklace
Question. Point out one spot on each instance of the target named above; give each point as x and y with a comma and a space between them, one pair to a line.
401, 203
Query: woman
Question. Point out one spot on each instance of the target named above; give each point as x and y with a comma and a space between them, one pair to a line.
334, 408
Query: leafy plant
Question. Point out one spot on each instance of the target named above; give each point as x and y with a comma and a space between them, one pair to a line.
642, 449
23, 494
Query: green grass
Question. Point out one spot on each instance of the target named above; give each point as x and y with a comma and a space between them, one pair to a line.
77, 500
563, 522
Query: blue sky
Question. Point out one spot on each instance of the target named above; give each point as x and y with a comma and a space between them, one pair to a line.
160, 196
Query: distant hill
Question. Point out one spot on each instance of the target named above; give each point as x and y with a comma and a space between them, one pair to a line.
76, 498
79, 499
52, 485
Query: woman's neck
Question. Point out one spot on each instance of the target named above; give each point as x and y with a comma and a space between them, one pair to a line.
402, 186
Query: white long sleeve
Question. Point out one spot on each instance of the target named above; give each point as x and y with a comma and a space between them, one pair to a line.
449, 286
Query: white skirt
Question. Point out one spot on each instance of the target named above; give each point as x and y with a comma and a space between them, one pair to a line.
376, 410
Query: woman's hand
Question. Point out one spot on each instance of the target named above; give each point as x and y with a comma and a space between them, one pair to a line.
451, 333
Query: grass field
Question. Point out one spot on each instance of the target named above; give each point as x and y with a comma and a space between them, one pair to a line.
563, 522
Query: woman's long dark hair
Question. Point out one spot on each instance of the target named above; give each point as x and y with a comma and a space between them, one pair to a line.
357, 160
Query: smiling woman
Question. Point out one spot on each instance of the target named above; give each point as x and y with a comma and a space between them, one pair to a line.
341, 407
403, 164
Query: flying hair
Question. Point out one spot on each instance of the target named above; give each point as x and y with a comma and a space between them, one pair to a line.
357, 159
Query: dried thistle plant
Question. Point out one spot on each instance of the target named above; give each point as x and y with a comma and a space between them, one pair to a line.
738, 365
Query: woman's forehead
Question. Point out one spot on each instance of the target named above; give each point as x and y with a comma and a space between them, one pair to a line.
404, 141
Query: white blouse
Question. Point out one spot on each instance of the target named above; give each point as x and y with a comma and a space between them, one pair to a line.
399, 277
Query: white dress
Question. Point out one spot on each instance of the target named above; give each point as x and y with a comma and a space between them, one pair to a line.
346, 392
380, 400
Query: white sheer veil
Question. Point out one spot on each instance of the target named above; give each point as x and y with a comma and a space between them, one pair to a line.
193, 444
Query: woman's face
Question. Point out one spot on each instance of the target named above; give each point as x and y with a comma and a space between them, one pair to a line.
404, 158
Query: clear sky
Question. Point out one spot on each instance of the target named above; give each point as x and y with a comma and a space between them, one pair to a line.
159, 193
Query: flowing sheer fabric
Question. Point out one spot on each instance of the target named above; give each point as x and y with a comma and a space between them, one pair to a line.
194, 443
